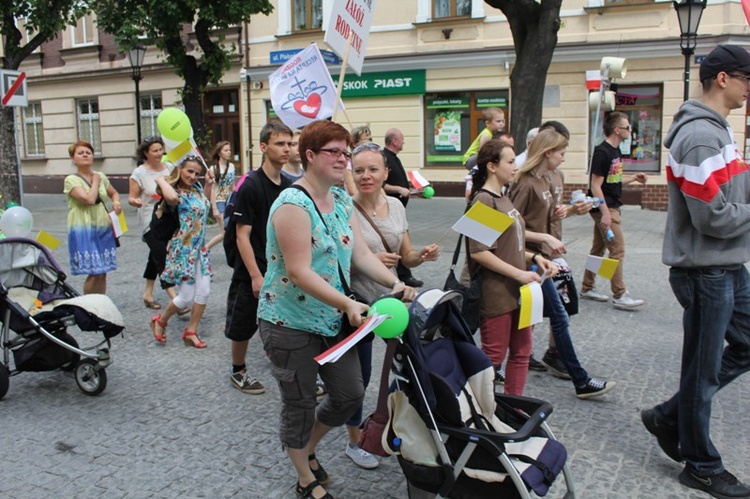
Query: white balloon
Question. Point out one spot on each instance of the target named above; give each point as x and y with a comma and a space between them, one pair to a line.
16, 222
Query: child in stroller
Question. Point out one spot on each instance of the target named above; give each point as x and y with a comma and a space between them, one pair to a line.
454, 436
37, 307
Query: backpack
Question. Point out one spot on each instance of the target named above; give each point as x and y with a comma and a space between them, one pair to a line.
164, 221
230, 225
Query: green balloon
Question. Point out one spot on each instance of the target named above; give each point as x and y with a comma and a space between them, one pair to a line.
428, 192
396, 324
11, 205
174, 125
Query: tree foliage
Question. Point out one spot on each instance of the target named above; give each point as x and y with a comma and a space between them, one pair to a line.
44, 19
163, 22
534, 26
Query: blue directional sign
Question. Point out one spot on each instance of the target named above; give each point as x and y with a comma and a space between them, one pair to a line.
281, 56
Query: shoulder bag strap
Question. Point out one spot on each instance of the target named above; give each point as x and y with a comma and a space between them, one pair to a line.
375, 227
344, 283
381, 410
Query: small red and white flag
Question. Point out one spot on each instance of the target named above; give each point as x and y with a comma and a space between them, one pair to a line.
417, 180
593, 79
335, 352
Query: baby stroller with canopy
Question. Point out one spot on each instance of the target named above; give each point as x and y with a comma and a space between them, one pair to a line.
36, 309
454, 436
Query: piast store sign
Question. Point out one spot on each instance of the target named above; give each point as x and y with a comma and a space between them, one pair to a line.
385, 83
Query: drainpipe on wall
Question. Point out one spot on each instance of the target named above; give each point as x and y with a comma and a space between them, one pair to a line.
249, 105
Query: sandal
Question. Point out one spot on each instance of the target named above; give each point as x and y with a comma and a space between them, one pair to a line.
307, 492
152, 304
187, 337
320, 474
156, 321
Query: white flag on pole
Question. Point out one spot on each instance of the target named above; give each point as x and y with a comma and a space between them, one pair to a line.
302, 90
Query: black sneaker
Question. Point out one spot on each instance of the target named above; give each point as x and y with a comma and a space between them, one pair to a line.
413, 282
722, 485
500, 376
594, 388
554, 365
535, 365
246, 384
667, 436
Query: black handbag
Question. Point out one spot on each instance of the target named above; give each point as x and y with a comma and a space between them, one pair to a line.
472, 293
164, 221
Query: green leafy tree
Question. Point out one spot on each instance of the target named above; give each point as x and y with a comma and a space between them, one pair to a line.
534, 26
166, 24
44, 19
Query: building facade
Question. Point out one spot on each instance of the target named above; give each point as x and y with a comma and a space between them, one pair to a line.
431, 67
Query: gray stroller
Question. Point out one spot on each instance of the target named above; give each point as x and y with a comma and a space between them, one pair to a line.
37, 308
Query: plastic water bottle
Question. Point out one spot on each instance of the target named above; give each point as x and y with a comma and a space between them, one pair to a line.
609, 235
396, 444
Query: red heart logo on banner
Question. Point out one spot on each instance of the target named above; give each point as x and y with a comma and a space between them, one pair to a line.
308, 108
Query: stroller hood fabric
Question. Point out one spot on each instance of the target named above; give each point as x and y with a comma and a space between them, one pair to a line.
94, 312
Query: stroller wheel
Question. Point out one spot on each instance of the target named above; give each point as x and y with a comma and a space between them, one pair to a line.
4, 380
90, 380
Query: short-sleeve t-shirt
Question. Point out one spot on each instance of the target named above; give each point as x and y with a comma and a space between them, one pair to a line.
607, 163
500, 293
283, 303
532, 198
146, 180
252, 207
393, 228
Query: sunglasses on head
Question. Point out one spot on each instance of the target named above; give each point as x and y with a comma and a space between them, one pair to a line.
368, 146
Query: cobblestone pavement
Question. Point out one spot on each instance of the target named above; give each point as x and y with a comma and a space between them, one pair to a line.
170, 424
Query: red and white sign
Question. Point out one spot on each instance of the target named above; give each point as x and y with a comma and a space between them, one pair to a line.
350, 18
302, 90
13, 88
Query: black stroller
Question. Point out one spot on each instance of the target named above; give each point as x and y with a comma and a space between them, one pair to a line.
36, 309
453, 435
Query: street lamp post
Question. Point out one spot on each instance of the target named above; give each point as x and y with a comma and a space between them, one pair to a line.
135, 58
689, 14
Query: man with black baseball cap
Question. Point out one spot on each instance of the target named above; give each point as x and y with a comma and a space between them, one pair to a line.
706, 245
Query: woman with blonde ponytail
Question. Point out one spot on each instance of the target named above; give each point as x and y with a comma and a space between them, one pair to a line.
532, 196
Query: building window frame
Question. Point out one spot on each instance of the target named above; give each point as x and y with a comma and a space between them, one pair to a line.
32, 125
89, 125
313, 12
83, 33
151, 106
453, 7
455, 119
642, 152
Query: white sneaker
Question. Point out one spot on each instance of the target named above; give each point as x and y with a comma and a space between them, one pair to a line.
593, 294
361, 457
625, 302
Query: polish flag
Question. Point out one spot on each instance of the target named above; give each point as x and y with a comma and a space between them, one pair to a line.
594, 79
417, 180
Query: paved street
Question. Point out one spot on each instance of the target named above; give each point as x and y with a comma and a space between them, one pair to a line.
169, 423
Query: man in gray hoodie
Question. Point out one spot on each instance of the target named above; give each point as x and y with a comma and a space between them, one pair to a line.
706, 245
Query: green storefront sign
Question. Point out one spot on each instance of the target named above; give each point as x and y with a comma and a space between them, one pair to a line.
491, 102
448, 102
384, 83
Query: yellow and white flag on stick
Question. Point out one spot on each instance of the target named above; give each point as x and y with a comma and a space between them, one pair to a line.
604, 267
532, 305
177, 151
483, 224
47, 240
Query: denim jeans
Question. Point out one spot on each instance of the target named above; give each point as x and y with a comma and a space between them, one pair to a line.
558, 320
716, 305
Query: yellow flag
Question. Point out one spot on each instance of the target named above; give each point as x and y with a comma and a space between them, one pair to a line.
532, 305
47, 240
605, 267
